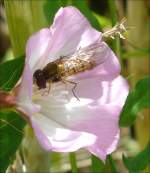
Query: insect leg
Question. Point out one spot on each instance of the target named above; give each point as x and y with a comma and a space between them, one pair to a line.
74, 87
49, 85
46, 92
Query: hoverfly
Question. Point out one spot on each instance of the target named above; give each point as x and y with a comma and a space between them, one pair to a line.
65, 66
80, 61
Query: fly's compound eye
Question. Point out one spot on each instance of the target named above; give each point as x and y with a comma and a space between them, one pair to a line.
39, 78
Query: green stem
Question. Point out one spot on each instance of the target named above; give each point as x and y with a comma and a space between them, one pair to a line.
114, 20
73, 162
118, 47
112, 164
112, 9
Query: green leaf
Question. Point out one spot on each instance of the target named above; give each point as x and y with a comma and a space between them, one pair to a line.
139, 162
83, 7
10, 73
97, 165
112, 164
11, 125
137, 99
103, 21
50, 8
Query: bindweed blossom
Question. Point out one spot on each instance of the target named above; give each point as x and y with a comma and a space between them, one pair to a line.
61, 122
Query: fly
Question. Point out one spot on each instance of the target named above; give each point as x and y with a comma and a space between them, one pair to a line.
65, 66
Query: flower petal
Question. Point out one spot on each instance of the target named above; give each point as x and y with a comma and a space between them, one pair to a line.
60, 121
114, 92
69, 31
95, 128
89, 115
91, 92
55, 137
104, 92
102, 121
24, 97
36, 48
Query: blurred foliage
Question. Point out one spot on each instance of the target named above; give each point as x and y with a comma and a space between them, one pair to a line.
103, 21
29, 16
139, 162
136, 54
97, 165
8, 55
11, 125
10, 73
137, 99
51, 7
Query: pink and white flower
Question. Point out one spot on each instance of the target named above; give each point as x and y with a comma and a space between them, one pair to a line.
61, 122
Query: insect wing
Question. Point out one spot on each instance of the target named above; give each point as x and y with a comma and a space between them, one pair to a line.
91, 52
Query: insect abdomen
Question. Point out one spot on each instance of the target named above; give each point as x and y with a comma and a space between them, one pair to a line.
72, 67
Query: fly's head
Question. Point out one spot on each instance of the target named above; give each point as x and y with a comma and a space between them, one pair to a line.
39, 79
